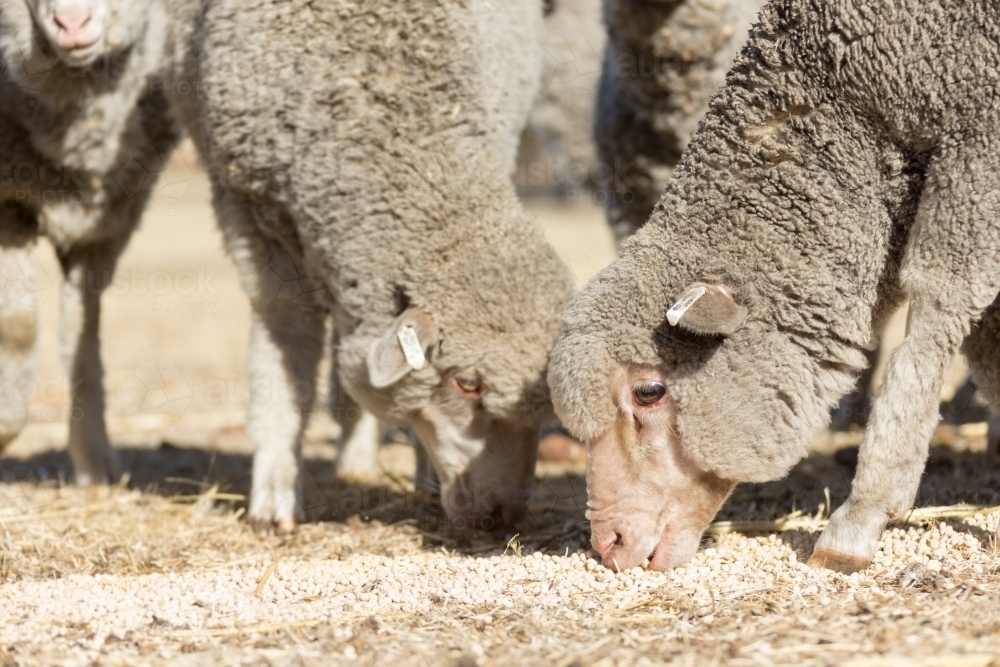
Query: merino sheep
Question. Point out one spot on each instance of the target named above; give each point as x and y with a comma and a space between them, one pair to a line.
360, 154
848, 163
80, 124
663, 63
561, 119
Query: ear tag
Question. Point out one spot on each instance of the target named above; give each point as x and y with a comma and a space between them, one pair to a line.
688, 299
412, 350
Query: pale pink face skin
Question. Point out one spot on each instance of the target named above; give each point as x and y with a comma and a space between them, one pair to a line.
75, 27
646, 501
485, 467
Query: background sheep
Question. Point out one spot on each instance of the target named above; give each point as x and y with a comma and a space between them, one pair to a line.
823, 188
361, 154
81, 131
663, 63
562, 117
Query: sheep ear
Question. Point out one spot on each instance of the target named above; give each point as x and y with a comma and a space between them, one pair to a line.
707, 309
402, 348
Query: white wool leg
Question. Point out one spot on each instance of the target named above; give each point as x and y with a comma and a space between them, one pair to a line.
286, 345
86, 274
276, 419
18, 337
894, 449
357, 449
950, 278
360, 431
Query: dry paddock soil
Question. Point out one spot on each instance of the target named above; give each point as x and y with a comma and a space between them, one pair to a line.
162, 569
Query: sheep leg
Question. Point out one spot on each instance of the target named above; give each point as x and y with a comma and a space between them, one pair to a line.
357, 447
18, 335
425, 478
360, 432
287, 335
283, 359
87, 271
893, 451
950, 277
982, 348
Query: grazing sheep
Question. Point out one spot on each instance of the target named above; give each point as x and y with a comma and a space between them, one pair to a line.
80, 126
562, 120
848, 163
663, 63
360, 155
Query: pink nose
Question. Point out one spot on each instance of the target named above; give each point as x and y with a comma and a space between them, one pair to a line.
603, 543
73, 19
75, 27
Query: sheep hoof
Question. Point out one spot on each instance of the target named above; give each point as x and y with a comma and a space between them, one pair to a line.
837, 561
261, 526
284, 526
279, 527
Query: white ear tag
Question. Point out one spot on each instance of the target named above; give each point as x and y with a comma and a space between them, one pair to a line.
688, 299
414, 354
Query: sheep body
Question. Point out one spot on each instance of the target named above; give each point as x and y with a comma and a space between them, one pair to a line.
360, 155
81, 136
848, 163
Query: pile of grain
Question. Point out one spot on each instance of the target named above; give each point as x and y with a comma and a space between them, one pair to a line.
131, 577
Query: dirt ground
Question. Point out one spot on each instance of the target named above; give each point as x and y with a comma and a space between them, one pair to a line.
161, 569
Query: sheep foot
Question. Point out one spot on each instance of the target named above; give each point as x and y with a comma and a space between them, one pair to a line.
837, 561
851, 538
357, 455
280, 527
273, 505
94, 464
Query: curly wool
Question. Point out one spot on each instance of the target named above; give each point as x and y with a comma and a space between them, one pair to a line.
800, 191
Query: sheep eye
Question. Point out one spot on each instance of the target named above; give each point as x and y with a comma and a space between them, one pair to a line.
468, 384
647, 393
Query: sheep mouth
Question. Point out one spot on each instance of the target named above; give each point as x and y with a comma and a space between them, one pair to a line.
670, 551
658, 556
78, 56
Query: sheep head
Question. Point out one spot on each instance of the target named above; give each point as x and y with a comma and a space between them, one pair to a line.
678, 396
464, 363
80, 32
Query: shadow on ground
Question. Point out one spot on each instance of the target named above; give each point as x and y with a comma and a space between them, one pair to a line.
556, 520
